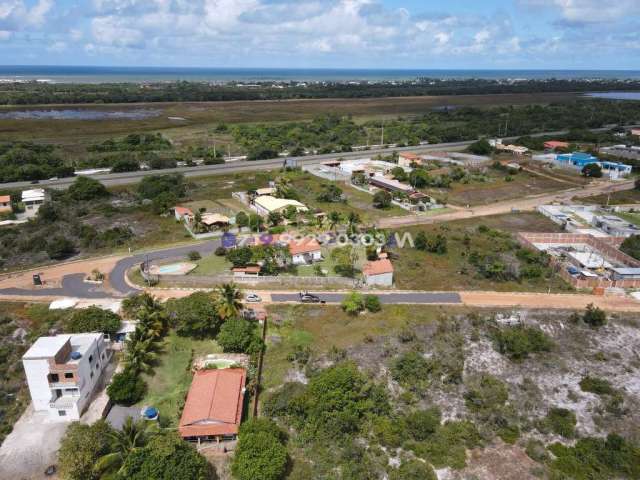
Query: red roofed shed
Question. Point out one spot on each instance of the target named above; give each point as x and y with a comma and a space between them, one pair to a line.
213, 409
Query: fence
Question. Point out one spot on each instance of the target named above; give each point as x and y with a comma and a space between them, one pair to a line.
607, 246
205, 281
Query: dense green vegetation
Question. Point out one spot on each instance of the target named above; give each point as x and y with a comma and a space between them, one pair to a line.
28, 161
42, 93
134, 142
518, 342
631, 246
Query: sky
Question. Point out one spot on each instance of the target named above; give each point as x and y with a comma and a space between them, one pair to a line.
414, 34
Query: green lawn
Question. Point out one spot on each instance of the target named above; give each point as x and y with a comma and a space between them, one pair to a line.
616, 198
212, 265
169, 383
630, 217
328, 263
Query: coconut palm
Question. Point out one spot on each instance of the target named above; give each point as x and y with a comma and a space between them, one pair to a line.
140, 351
229, 300
153, 321
352, 223
334, 219
132, 437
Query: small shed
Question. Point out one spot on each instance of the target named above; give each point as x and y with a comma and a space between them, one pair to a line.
378, 272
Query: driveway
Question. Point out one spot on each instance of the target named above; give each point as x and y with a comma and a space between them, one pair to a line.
31, 447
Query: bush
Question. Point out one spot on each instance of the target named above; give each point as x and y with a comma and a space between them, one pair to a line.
220, 252
353, 303
166, 457
561, 422
599, 386
238, 335
92, 319
448, 446
481, 147
282, 402
126, 388
86, 188
486, 394
260, 453
195, 315
421, 424
382, 199
411, 369
372, 303
60, 247
155, 186
518, 342
594, 316
413, 470
630, 245
81, 446
592, 170
194, 256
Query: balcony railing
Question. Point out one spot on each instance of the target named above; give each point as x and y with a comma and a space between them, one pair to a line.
66, 401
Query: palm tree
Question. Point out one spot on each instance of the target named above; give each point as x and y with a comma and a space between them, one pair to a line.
140, 351
334, 219
229, 300
353, 220
132, 437
153, 321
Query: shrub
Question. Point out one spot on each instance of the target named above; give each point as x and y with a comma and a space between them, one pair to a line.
81, 446
486, 394
413, 470
353, 303
411, 369
194, 256
448, 446
282, 402
260, 453
518, 342
594, 316
92, 319
596, 385
421, 424
481, 147
220, 252
592, 170
372, 303
630, 245
561, 422
60, 247
126, 388
86, 188
238, 335
382, 199
195, 315
167, 457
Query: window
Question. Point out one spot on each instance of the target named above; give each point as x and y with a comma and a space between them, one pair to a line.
68, 374
62, 413
54, 378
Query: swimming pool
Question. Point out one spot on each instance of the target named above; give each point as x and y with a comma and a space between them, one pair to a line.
170, 269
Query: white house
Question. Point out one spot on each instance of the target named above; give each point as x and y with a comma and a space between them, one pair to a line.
183, 213
265, 204
63, 371
378, 272
32, 199
304, 251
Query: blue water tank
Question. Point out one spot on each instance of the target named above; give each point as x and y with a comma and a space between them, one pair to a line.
76, 355
151, 412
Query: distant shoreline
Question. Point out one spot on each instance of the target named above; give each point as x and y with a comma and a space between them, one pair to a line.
93, 74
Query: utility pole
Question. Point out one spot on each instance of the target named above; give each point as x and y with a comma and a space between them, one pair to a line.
382, 135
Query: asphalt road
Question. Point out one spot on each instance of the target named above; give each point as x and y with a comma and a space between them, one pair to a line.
114, 179
72, 286
385, 298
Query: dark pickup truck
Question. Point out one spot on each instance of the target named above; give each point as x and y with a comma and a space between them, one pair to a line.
306, 297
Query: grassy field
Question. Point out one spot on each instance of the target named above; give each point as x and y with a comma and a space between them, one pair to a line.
212, 265
170, 380
415, 269
496, 188
321, 328
630, 217
309, 186
623, 197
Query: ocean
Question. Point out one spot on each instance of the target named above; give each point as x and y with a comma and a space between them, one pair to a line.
90, 74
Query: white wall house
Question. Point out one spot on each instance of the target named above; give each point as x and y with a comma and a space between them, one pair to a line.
63, 371
378, 272
32, 199
265, 204
305, 251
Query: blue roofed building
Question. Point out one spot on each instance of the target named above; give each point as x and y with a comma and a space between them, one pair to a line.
579, 160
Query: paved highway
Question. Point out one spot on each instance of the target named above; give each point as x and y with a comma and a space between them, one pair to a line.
439, 298
114, 179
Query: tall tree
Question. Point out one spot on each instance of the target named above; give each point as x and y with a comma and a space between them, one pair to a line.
132, 437
229, 302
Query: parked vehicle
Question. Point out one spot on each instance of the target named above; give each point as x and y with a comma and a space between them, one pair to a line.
306, 297
252, 298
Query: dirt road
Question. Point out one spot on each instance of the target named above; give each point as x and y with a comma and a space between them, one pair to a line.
525, 204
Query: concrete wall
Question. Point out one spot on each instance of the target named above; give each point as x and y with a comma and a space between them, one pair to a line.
384, 279
190, 281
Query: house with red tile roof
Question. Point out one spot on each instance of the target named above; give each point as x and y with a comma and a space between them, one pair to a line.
554, 144
405, 159
182, 213
305, 250
5, 204
378, 272
213, 409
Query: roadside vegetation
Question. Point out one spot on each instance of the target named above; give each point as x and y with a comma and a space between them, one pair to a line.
404, 390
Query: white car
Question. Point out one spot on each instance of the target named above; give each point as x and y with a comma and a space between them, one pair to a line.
252, 298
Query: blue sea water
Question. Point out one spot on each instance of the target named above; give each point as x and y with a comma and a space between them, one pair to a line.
92, 74
616, 95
